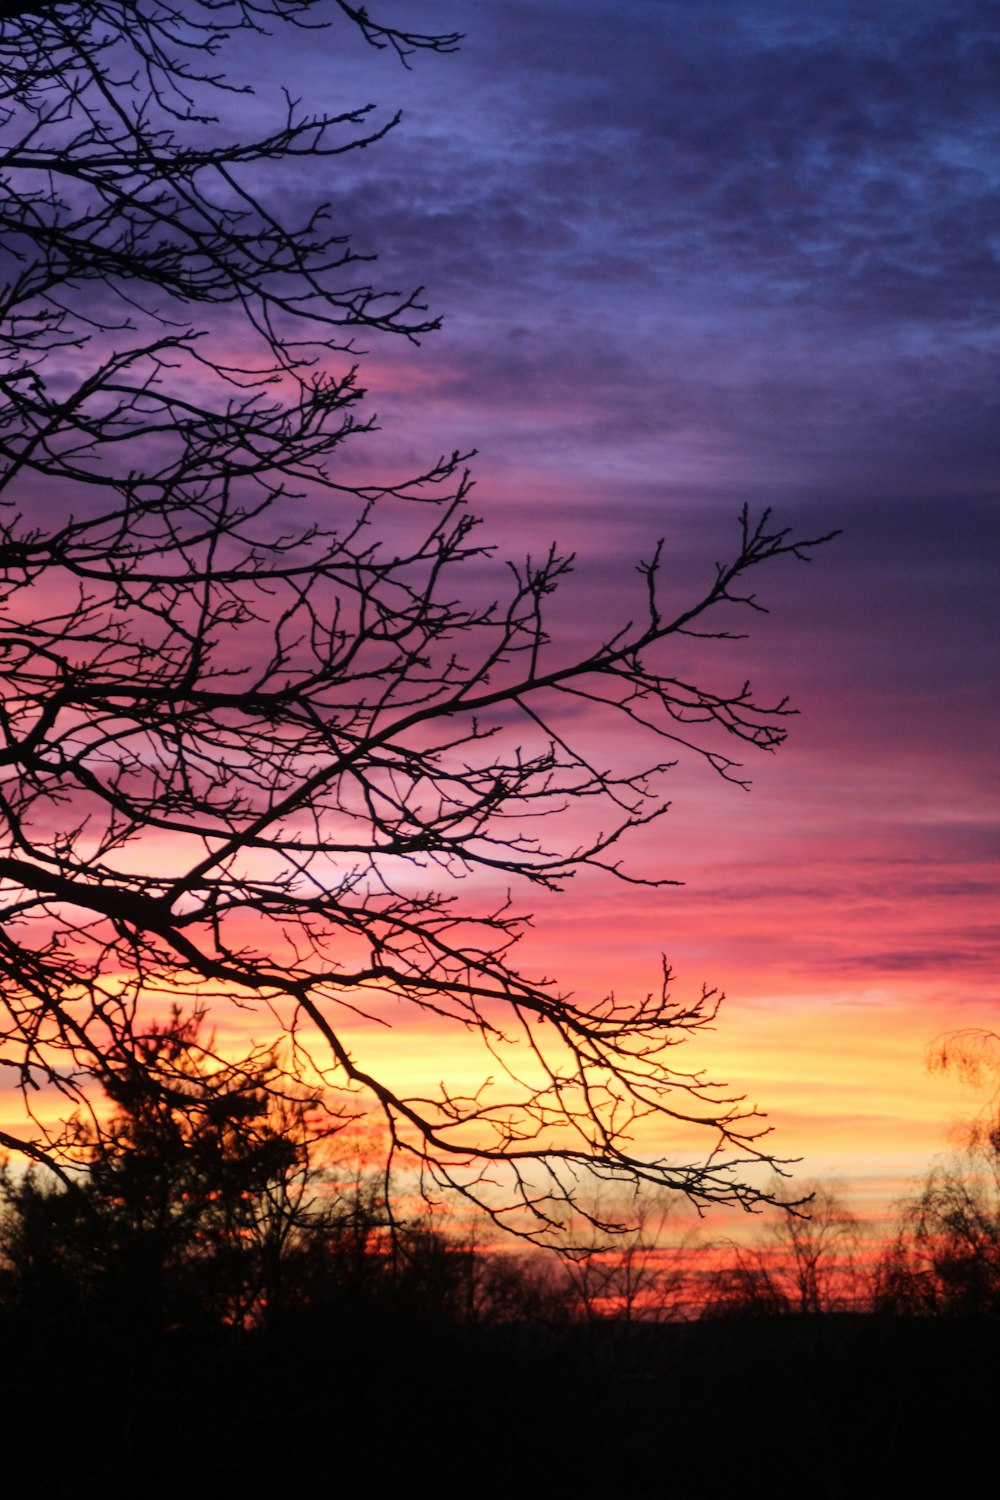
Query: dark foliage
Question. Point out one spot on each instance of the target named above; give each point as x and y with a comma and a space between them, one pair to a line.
186, 1208
218, 1202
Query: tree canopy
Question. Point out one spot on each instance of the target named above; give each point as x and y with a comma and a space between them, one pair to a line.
266, 739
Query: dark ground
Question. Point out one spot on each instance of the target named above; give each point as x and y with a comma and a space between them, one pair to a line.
836, 1408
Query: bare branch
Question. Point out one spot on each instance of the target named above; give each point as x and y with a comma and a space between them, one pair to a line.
260, 743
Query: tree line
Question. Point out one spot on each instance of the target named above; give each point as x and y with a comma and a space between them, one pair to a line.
219, 1201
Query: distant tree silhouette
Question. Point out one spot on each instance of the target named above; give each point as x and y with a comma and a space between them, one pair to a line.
188, 1207
807, 1262
269, 736
624, 1274
742, 1284
972, 1053
816, 1252
218, 1203
945, 1257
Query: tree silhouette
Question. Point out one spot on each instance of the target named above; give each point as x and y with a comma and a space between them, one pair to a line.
945, 1256
808, 1262
192, 1205
626, 1276
266, 737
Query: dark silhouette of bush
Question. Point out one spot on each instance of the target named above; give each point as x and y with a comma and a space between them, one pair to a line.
187, 1207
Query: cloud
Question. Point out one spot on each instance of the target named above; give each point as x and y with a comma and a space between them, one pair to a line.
737, 229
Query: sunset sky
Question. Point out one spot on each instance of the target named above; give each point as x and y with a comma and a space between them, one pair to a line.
691, 257
687, 257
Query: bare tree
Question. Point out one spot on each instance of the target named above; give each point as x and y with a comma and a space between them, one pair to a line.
973, 1054
636, 1273
742, 1283
808, 1261
264, 739
945, 1257
818, 1252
